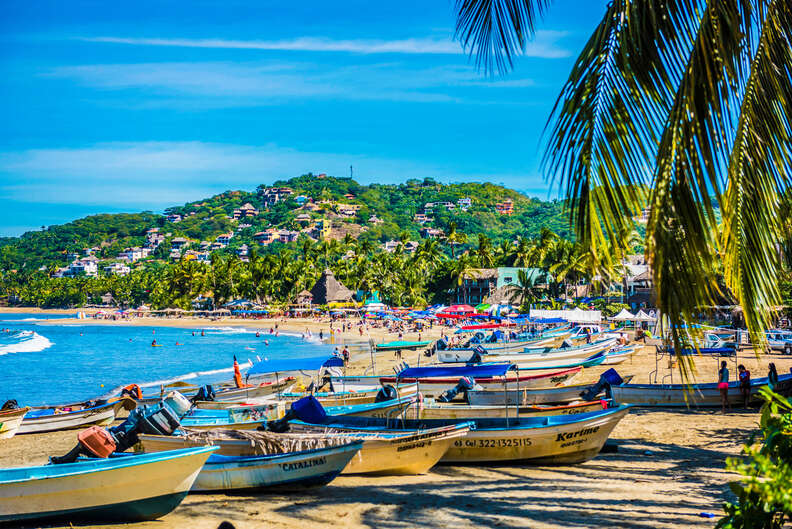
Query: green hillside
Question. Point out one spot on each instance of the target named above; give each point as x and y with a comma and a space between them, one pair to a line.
394, 205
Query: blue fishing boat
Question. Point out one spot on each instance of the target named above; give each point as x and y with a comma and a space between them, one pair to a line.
135, 487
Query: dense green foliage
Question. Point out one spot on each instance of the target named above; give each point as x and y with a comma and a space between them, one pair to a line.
425, 276
764, 490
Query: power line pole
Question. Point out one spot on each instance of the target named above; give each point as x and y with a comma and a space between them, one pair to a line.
350, 171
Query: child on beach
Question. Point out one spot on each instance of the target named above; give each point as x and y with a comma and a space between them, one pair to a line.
745, 384
723, 386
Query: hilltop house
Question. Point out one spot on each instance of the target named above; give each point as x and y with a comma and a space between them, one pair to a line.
464, 203
375, 220
422, 218
178, 242
428, 233
505, 208
245, 211
173, 217
348, 210
272, 195
86, 265
118, 269
224, 238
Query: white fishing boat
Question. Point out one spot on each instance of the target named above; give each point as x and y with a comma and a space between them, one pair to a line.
558, 439
129, 488
543, 357
434, 386
617, 356
694, 395
10, 420
52, 418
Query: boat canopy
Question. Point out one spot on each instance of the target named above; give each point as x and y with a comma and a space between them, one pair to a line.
485, 370
283, 365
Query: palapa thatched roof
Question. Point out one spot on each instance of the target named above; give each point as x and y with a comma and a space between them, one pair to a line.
328, 289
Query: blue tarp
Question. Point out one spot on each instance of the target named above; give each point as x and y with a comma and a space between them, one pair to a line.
476, 371
313, 363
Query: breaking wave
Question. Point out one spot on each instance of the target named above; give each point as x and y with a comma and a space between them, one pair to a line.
23, 342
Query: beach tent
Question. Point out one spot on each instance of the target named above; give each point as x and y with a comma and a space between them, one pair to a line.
642, 316
328, 290
624, 315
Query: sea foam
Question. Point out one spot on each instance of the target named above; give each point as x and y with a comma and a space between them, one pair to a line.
23, 342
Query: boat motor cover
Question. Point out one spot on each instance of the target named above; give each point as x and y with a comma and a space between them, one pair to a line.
97, 441
178, 403
612, 377
309, 410
158, 420
386, 392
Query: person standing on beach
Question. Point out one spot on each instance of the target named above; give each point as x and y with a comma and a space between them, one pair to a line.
397, 354
745, 384
345, 354
772, 376
723, 386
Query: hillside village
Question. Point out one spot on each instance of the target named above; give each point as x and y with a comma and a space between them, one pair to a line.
276, 214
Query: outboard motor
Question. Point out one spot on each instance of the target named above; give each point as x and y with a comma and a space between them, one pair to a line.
10, 405
462, 386
566, 344
159, 419
477, 356
206, 392
607, 379
441, 344
386, 392
306, 409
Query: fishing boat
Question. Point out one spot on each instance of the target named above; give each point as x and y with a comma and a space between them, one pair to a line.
51, 418
309, 468
131, 488
402, 344
531, 397
463, 354
388, 453
570, 354
430, 409
10, 420
589, 361
229, 419
693, 395
557, 439
351, 397
434, 383
617, 356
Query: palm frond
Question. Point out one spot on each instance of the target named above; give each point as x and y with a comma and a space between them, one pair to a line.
495, 31
759, 168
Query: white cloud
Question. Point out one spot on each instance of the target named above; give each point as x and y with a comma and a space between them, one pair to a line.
213, 84
545, 45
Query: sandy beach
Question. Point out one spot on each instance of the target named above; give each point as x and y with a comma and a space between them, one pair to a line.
669, 466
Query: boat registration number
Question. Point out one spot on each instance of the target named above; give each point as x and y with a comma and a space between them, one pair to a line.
492, 443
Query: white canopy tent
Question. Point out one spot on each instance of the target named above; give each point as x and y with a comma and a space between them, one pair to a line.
624, 315
575, 316
642, 316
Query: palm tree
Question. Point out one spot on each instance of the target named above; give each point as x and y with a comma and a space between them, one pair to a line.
454, 237
677, 106
484, 252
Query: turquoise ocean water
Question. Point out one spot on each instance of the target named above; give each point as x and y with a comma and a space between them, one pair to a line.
43, 362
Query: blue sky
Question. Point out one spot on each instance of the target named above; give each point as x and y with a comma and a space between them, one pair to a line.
126, 106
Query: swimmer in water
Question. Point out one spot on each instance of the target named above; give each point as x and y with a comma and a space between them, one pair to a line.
266, 342
257, 334
153, 343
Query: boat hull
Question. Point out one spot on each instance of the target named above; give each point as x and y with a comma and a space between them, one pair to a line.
555, 445
465, 412
128, 488
541, 440
10, 421
99, 415
407, 453
434, 387
699, 395
312, 468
